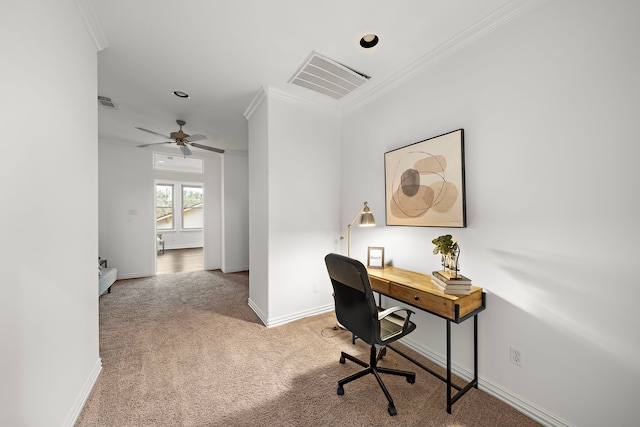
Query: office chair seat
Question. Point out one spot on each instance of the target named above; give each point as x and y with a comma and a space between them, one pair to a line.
358, 312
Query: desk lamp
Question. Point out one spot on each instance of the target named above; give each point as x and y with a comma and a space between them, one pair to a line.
366, 220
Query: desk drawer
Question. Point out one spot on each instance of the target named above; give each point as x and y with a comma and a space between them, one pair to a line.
379, 285
430, 302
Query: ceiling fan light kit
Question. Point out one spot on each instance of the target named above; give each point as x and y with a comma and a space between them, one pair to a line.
183, 140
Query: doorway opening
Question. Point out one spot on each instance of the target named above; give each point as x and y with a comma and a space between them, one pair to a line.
179, 226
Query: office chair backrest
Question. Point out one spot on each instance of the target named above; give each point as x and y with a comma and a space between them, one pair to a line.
356, 308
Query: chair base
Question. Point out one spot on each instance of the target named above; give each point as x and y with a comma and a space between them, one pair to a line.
372, 368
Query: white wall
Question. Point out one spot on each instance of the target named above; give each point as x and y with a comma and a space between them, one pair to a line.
304, 182
214, 203
548, 103
235, 231
126, 203
294, 159
257, 116
49, 303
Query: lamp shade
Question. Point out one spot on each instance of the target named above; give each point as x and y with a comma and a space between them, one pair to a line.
366, 217
366, 220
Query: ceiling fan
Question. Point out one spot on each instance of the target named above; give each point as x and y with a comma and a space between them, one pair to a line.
182, 139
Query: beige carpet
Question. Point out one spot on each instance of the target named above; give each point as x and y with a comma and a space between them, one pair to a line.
185, 349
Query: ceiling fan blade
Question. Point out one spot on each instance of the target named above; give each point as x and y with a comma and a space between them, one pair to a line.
155, 133
155, 143
185, 150
196, 137
206, 147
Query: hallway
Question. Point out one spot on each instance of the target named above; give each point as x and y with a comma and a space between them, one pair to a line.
180, 260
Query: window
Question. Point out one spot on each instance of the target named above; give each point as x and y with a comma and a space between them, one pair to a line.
164, 207
191, 207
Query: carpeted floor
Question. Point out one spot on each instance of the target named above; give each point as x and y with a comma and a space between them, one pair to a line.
185, 349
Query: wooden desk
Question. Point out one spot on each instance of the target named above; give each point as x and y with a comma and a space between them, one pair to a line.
417, 290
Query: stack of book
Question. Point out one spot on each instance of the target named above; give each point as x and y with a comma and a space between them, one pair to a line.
450, 284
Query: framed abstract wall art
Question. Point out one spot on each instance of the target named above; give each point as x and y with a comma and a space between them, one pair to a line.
425, 183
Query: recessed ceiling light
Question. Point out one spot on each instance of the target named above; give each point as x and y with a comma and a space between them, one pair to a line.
180, 94
369, 40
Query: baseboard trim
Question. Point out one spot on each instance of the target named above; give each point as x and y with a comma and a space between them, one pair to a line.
235, 269
257, 310
76, 409
192, 246
277, 321
133, 275
529, 409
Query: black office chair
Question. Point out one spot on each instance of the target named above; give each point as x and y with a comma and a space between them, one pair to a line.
358, 312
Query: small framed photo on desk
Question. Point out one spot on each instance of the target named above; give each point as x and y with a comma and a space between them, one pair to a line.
375, 257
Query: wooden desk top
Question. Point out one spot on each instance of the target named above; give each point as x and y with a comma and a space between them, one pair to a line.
416, 289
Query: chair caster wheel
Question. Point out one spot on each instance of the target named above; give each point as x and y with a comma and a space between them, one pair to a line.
342, 359
340, 390
392, 410
411, 379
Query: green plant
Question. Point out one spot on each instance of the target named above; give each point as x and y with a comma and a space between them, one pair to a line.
449, 251
445, 245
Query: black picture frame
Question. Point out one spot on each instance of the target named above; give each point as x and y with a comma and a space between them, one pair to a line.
425, 183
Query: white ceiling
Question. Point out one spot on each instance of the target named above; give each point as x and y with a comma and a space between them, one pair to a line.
222, 52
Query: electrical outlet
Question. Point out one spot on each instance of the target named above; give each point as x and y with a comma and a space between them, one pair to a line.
516, 356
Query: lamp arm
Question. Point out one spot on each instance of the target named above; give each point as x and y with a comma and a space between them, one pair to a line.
347, 231
350, 224
365, 219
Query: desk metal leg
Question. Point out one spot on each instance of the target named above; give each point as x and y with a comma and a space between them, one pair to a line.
460, 390
475, 351
449, 402
474, 382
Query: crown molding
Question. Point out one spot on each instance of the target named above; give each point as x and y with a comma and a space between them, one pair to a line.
270, 92
475, 32
255, 103
90, 19
329, 107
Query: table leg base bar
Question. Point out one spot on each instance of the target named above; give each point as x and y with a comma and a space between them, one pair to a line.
450, 399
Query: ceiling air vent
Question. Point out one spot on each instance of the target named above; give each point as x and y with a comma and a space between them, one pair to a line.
106, 102
327, 76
